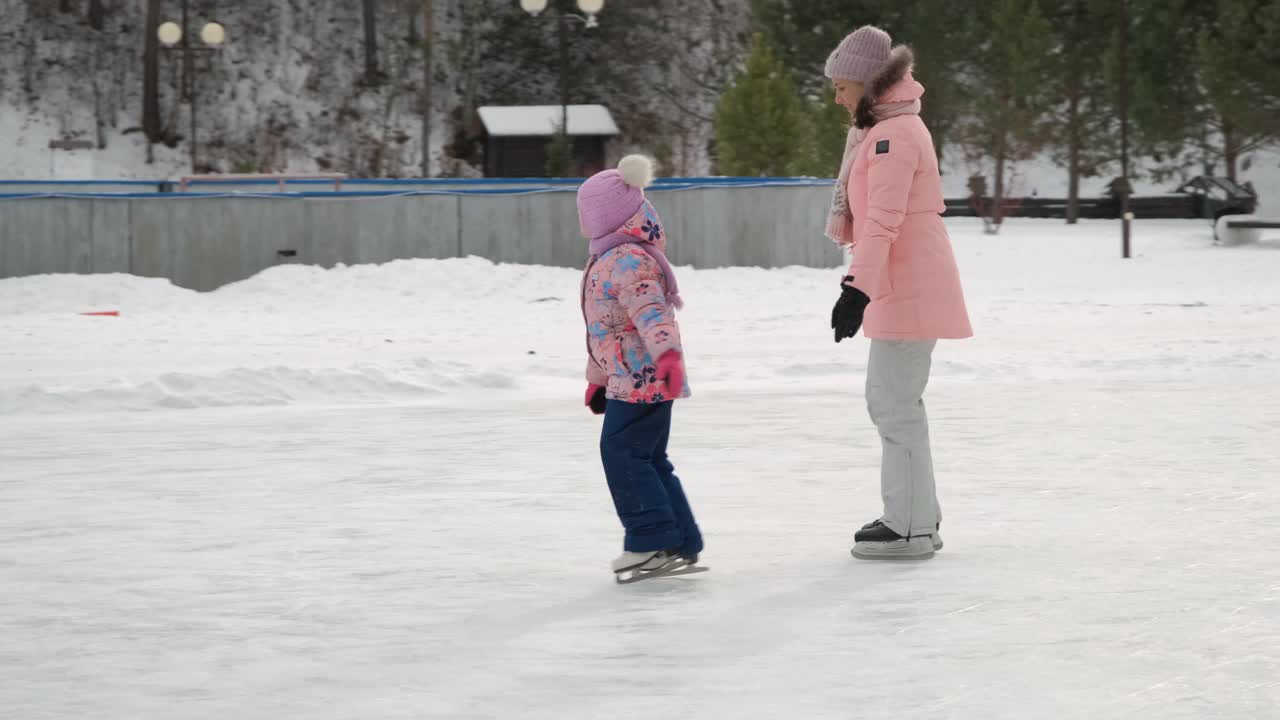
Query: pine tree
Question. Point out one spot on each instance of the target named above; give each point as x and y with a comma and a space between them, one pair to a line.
1205, 81
941, 33
1083, 118
1269, 41
1235, 74
1164, 100
559, 155
761, 126
1008, 96
828, 128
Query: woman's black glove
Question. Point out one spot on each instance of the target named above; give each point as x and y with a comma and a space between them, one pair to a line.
846, 316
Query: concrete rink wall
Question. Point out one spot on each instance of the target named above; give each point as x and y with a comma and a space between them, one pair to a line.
204, 241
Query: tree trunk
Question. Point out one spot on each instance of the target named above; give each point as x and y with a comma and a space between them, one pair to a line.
151, 73
1230, 148
1074, 140
29, 65
370, 43
997, 209
97, 15
1073, 170
565, 144
100, 125
1125, 249
428, 39
412, 9
169, 129
1073, 178
96, 76
64, 6
194, 107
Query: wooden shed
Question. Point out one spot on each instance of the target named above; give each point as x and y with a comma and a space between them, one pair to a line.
516, 138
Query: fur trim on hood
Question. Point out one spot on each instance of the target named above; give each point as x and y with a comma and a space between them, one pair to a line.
894, 71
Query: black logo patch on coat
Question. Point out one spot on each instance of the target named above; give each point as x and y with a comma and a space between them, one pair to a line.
882, 147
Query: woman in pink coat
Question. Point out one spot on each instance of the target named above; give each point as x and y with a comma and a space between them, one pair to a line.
903, 286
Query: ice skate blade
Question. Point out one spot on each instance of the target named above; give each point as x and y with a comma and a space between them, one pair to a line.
628, 577
918, 548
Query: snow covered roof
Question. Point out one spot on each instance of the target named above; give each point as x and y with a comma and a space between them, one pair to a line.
538, 120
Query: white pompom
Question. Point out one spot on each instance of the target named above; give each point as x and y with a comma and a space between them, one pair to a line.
636, 170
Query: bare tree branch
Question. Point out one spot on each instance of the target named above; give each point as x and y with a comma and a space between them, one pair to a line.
681, 106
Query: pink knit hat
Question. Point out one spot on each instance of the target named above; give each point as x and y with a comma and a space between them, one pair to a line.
860, 55
609, 198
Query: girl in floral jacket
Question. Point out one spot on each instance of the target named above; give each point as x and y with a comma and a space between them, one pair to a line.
635, 368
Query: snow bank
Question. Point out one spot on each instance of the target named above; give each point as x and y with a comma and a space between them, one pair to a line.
1048, 301
250, 387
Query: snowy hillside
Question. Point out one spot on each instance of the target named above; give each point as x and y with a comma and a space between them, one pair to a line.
284, 93
289, 90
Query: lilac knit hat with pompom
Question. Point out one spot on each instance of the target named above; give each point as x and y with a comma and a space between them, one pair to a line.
609, 198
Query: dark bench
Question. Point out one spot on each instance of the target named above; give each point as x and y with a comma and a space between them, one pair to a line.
1241, 229
1253, 224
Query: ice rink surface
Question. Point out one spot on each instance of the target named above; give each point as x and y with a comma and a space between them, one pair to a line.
372, 492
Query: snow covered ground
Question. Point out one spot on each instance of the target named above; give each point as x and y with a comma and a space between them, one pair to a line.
372, 492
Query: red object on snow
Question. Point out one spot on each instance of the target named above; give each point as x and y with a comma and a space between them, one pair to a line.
104, 313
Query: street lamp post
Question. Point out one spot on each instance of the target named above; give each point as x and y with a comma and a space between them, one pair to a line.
175, 37
1126, 214
589, 8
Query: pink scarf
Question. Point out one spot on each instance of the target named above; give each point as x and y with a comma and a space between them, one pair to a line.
644, 230
840, 219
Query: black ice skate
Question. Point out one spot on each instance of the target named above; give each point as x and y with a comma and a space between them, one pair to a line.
876, 541
937, 533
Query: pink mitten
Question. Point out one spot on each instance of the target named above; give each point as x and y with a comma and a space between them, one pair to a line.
671, 372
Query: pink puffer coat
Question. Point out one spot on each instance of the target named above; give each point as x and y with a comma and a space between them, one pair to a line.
902, 256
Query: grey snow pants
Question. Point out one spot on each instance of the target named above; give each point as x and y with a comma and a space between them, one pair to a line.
897, 373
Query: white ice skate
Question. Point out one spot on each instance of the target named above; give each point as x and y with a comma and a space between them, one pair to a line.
630, 567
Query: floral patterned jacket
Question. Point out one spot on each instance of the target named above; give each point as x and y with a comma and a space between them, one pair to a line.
630, 325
